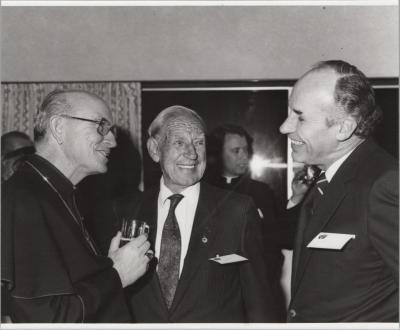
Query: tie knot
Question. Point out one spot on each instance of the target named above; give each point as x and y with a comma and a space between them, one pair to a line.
321, 183
175, 199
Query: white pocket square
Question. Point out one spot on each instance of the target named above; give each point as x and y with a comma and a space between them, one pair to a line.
228, 259
332, 241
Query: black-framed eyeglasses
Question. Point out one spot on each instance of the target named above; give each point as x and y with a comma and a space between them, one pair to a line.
104, 126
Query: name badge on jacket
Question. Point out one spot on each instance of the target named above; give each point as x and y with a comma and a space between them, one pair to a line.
332, 241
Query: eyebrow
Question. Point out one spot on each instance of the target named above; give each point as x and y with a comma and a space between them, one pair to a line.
297, 112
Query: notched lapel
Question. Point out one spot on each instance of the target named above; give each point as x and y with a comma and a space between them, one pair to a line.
323, 213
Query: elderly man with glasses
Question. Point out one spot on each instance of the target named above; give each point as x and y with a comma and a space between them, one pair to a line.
51, 268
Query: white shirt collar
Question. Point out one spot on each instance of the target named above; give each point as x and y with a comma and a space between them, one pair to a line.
189, 192
330, 172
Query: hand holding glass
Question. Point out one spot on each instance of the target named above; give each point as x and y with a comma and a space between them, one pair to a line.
132, 228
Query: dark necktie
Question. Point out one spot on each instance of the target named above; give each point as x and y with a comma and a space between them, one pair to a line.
309, 231
170, 252
321, 185
318, 192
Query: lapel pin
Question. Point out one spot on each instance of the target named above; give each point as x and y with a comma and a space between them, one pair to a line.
204, 239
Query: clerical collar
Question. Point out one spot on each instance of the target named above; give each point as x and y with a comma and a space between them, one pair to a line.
231, 179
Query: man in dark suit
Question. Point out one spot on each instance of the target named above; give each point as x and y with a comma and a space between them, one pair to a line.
230, 148
345, 264
194, 226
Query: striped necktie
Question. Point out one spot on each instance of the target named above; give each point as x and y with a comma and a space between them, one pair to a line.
321, 186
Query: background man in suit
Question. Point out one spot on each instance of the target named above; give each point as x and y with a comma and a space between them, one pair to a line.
51, 267
14, 145
332, 115
192, 222
230, 148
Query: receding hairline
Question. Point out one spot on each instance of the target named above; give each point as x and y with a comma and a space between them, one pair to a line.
74, 98
160, 124
180, 119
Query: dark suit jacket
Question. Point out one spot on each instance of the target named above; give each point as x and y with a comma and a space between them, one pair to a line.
360, 282
274, 228
208, 291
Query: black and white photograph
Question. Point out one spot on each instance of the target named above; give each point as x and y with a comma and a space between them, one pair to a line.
200, 164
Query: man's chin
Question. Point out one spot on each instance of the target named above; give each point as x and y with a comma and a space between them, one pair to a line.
187, 182
101, 168
298, 158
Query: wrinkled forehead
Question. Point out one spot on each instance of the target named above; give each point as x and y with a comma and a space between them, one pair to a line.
183, 125
89, 106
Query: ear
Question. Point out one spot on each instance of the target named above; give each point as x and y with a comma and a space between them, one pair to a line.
57, 128
346, 128
153, 148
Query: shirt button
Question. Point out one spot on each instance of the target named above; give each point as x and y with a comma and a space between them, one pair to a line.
292, 313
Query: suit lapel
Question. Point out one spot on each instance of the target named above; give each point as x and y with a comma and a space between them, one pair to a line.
324, 212
303, 220
200, 238
315, 224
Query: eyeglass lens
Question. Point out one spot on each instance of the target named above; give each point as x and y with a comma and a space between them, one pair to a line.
104, 127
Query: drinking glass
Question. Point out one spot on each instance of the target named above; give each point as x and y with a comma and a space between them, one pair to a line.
132, 228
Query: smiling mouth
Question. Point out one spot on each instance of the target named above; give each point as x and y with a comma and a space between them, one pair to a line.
187, 166
104, 153
296, 142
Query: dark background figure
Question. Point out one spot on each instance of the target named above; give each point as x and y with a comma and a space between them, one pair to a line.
14, 145
229, 151
122, 178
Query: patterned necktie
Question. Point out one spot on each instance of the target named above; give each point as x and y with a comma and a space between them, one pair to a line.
321, 185
170, 252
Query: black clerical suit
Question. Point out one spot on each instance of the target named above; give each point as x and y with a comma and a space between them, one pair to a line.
276, 231
49, 263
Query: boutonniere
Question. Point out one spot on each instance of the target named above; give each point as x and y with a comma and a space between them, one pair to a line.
205, 235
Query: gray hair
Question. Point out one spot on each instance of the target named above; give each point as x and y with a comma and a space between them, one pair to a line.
169, 113
55, 103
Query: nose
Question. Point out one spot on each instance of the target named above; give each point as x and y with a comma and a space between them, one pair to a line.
110, 140
288, 126
191, 151
243, 154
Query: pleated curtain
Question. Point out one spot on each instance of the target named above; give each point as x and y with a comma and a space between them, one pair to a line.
20, 102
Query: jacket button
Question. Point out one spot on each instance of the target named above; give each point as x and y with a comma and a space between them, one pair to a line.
292, 312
